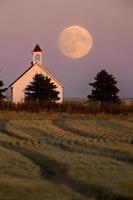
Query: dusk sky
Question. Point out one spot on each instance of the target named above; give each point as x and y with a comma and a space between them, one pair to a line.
23, 23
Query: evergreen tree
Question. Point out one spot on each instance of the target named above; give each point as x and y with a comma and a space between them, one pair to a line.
41, 89
2, 90
104, 88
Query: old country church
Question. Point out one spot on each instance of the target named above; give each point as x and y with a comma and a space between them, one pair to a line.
18, 86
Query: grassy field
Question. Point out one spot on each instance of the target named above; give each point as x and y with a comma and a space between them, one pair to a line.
65, 157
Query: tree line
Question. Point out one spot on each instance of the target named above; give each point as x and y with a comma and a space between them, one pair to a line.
41, 89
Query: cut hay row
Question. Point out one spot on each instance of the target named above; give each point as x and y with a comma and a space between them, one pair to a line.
96, 131
46, 131
16, 136
44, 128
70, 130
68, 157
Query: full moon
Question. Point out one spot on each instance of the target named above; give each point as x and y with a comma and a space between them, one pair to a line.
75, 42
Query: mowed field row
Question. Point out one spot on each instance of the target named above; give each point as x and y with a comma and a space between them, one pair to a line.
66, 158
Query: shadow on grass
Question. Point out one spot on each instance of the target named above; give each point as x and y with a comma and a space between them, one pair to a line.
61, 124
58, 173
94, 149
3, 130
71, 146
66, 144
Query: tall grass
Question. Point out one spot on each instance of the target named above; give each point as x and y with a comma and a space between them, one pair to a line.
68, 107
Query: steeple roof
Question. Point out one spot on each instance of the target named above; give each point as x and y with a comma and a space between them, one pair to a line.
37, 48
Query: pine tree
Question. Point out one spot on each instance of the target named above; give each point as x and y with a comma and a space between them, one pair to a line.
104, 88
41, 89
2, 90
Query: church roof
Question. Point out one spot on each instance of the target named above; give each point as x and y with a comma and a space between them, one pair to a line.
37, 48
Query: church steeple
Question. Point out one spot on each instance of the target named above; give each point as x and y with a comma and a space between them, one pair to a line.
37, 55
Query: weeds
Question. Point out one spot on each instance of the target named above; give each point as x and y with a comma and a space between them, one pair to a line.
68, 107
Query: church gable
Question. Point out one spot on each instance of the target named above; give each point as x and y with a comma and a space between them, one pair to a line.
28, 75
35, 69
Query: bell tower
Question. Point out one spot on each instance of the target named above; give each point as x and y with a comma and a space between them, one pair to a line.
37, 55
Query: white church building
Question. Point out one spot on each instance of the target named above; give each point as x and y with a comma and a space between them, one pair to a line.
18, 86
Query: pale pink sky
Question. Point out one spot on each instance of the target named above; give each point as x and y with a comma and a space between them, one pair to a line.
23, 23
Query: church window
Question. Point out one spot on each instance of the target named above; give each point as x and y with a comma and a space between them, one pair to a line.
37, 57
